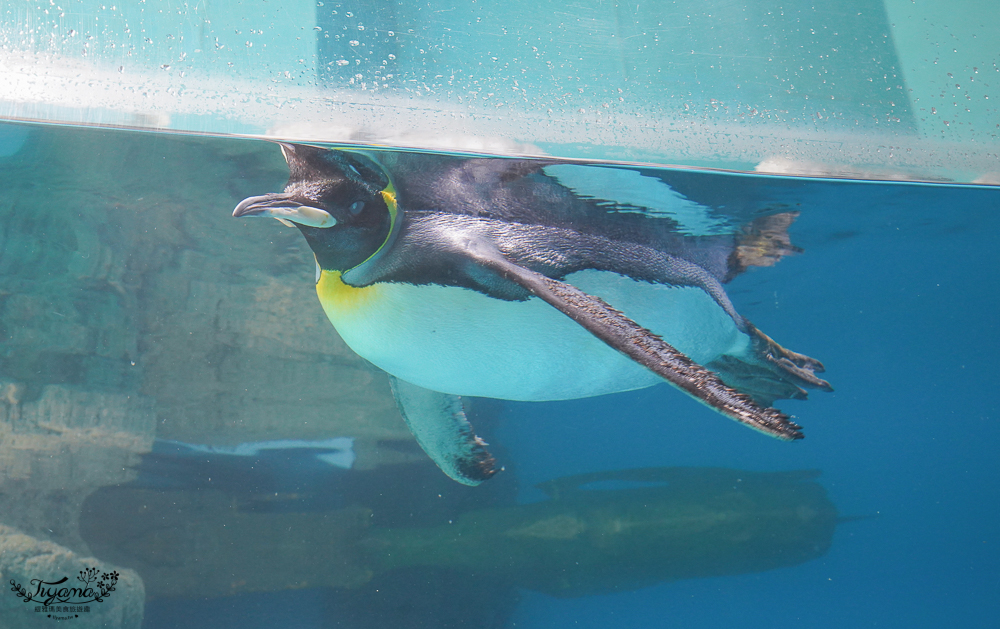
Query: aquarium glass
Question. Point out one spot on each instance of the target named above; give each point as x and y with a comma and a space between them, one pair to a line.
499, 192
893, 89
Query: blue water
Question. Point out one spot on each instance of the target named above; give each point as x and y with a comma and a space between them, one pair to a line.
898, 295
896, 292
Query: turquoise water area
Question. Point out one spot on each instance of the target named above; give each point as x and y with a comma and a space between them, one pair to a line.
152, 343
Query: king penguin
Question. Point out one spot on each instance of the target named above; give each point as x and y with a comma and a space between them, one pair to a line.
475, 276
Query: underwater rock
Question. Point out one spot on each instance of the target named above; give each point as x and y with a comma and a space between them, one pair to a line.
688, 523
58, 448
130, 310
197, 544
115, 278
24, 559
264, 535
658, 524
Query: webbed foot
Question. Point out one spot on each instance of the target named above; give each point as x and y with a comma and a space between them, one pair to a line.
799, 367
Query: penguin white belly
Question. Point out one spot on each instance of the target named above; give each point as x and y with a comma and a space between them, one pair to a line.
462, 342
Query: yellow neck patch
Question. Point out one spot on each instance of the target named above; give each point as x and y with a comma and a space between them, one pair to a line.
340, 299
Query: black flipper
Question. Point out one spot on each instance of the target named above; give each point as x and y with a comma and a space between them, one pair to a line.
639, 344
438, 422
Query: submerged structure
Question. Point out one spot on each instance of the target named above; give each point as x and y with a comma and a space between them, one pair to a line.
678, 523
643, 527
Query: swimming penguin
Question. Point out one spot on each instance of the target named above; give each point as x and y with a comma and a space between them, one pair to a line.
489, 277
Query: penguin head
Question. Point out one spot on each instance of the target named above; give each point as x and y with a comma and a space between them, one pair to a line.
342, 202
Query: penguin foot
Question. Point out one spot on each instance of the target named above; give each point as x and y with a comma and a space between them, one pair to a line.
801, 368
763, 242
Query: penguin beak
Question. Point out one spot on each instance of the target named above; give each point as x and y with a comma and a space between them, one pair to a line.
280, 206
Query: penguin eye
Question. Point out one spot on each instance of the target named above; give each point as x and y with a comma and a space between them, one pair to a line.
356, 207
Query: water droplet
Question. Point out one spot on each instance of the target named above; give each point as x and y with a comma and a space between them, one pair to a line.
934, 110
392, 33
392, 57
343, 62
354, 42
